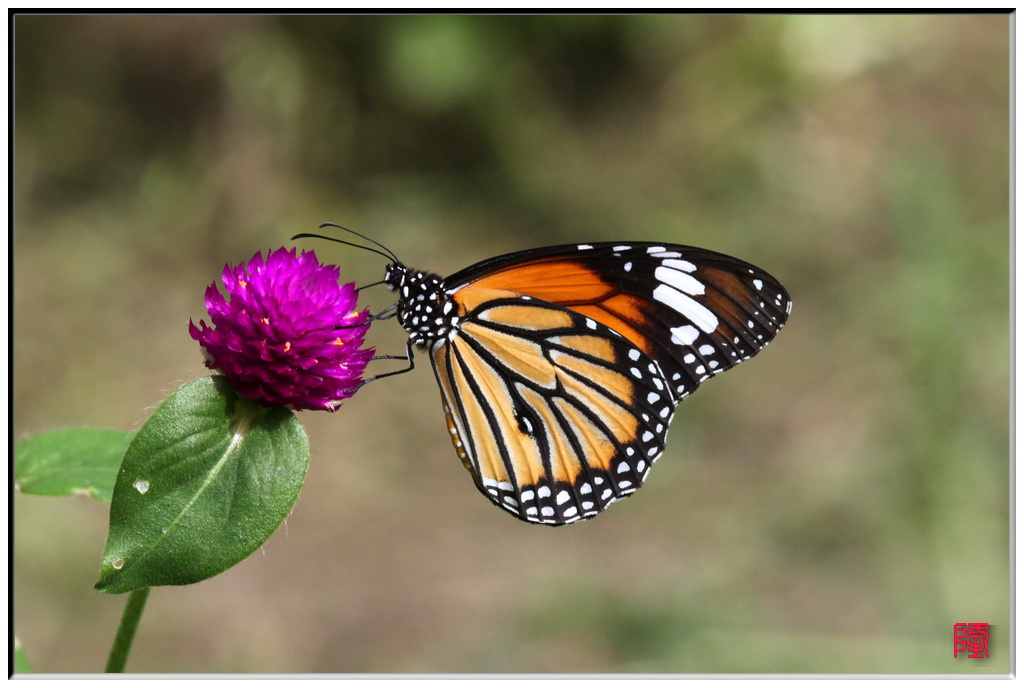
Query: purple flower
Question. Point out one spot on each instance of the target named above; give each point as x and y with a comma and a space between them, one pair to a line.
289, 335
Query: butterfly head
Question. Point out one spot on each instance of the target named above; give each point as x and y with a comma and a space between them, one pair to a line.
424, 309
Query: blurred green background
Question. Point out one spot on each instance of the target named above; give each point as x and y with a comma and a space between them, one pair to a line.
834, 505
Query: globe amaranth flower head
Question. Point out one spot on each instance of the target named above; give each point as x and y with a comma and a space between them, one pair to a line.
289, 334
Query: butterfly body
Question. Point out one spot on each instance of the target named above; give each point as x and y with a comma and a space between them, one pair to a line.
421, 304
560, 368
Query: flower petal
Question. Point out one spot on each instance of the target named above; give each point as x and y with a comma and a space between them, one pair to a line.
288, 334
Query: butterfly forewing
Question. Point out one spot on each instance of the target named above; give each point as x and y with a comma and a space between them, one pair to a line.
696, 312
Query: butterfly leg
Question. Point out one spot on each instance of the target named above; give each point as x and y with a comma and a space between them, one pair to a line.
386, 314
408, 357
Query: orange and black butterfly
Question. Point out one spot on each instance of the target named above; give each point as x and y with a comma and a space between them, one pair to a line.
560, 368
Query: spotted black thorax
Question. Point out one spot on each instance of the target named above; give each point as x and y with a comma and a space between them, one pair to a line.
424, 307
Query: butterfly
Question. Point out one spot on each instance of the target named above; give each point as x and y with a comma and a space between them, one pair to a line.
560, 368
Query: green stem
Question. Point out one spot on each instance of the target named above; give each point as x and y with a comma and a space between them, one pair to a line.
126, 631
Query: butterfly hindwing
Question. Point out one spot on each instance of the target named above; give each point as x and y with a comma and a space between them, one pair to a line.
554, 414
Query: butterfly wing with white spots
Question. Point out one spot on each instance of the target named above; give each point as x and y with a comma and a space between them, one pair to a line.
560, 368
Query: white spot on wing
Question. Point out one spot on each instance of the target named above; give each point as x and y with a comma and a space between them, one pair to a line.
687, 307
684, 265
680, 280
685, 335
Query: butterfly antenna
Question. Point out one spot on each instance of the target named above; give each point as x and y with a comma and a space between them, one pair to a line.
364, 238
308, 235
390, 254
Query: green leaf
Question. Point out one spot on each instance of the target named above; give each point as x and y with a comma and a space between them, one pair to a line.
74, 461
21, 663
204, 483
